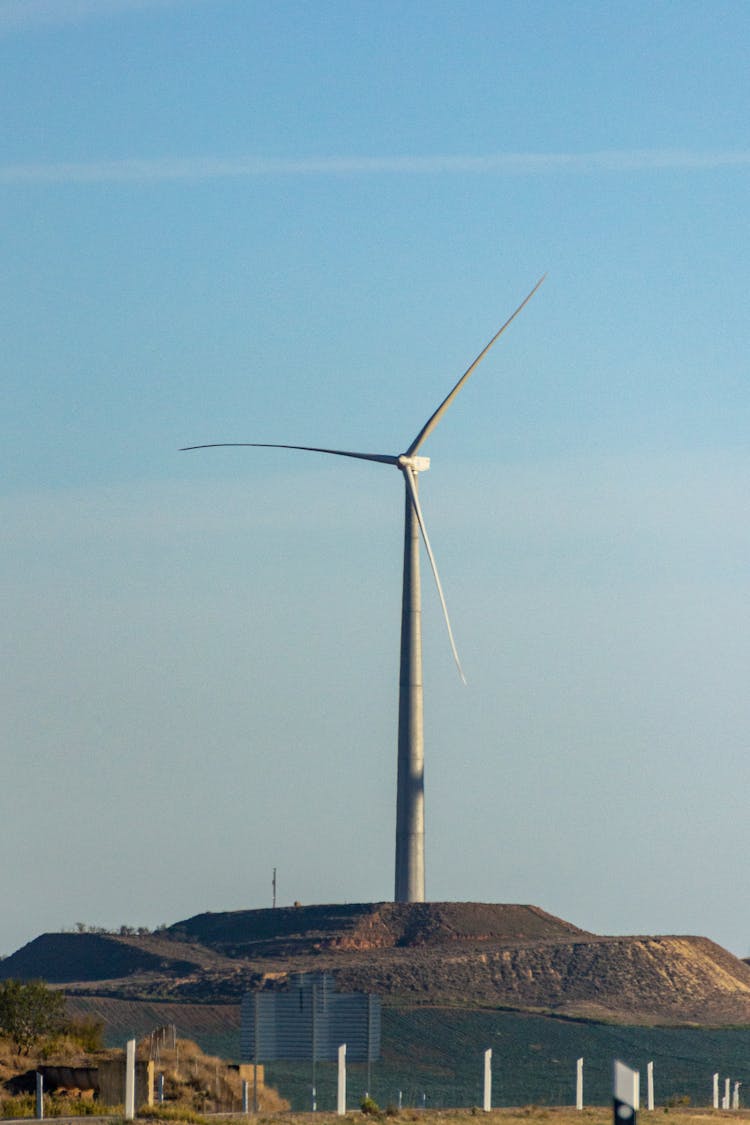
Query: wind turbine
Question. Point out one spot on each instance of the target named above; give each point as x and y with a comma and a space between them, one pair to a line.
410, 784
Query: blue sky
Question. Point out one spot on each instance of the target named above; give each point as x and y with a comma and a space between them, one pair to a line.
226, 221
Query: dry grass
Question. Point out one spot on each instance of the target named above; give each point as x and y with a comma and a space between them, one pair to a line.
203, 1083
194, 1083
525, 1115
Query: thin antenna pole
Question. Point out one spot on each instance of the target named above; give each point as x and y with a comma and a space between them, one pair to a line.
273, 884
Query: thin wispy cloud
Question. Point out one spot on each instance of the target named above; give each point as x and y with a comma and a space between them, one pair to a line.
520, 164
26, 15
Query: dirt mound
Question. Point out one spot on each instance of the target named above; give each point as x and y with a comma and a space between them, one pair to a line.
65, 958
293, 931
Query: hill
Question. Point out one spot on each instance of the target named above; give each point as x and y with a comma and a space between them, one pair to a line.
464, 955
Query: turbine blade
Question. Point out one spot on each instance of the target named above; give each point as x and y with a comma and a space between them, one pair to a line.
409, 474
385, 458
431, 422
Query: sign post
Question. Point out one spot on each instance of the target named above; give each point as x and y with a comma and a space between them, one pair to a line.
626, 1095
579, 1083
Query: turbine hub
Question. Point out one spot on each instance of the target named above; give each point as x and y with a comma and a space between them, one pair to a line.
416, 464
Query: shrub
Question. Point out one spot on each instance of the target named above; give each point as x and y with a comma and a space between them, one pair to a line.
19, 1105
369, 1107
24, 1105
172, 1113
87, 1032
29, 1012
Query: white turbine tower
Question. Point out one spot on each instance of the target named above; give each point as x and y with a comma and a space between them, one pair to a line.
410, 785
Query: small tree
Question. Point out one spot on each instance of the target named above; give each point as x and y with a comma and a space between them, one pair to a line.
29, 1012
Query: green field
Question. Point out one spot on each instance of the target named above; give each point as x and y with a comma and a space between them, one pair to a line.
435, 1058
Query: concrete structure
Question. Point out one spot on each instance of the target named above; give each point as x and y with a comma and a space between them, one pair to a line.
111, 1080
249, 1072
308, 1021
410, 880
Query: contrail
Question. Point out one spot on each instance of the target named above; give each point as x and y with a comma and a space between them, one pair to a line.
134, 170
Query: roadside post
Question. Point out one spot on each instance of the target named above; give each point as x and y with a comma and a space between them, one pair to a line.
39, 1096
650, 1086
716, 1090
626, 1095
487, 1105
130, 1080
579, 1083
341, 1092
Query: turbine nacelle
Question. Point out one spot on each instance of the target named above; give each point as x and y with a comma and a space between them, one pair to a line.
416, 464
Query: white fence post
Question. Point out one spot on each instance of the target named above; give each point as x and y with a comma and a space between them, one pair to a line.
725, 1099
716, 1091
579, 1083
626, 1093
650, 1086
341, 1098
39, 1096
736, 1095
488, 1080
130, 1080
